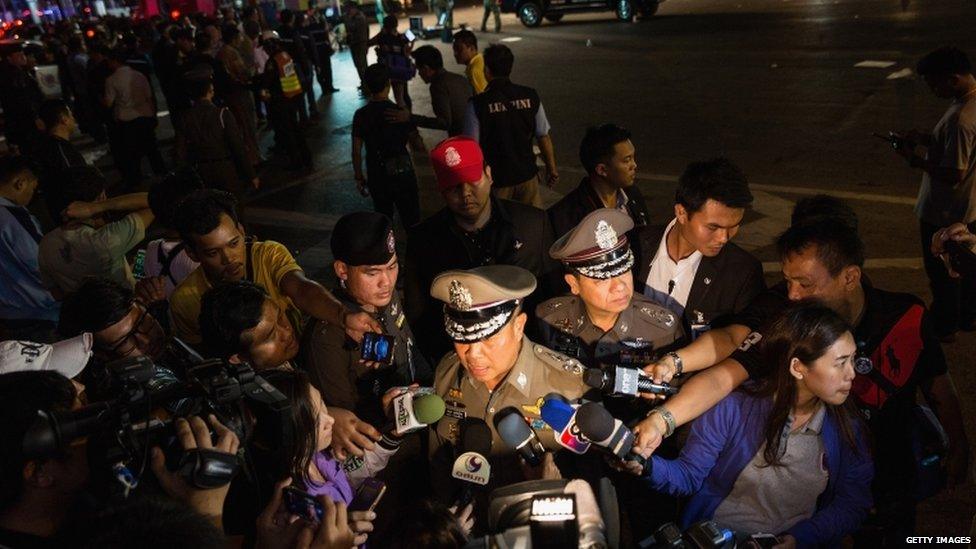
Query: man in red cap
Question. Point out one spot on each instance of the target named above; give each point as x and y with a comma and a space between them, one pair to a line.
474, 229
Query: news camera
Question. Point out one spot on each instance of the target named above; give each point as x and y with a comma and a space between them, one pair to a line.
543, 514
146, 401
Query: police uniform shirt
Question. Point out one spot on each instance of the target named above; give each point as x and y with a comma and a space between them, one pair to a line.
643, 331
537, 372
333, 362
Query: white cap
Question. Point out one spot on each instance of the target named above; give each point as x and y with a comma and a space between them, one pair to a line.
269, 35
67, 357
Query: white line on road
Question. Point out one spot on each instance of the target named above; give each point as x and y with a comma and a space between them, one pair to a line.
868, 64
904, 73
511, 39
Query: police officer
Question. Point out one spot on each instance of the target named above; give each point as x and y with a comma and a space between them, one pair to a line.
366, 265
603, 322
505, 119
211, 141
474, 229
493, 365
282, 89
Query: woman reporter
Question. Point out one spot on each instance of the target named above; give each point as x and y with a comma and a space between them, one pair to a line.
788, 456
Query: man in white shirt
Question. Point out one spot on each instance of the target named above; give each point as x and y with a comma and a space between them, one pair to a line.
948, 191
129, 95
696, 271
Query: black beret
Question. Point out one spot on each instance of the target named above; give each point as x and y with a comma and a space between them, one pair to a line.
363, 238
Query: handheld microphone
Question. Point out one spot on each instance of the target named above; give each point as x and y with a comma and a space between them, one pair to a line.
471, 467
625, 381
513, 429
561, 416
414, 412
602, 429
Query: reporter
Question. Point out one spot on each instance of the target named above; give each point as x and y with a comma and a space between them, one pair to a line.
214, 236
309, 460
787, 456
37, 495
431, 525
240, 322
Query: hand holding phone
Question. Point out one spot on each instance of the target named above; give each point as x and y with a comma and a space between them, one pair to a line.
378, 348
368, 495
301, 503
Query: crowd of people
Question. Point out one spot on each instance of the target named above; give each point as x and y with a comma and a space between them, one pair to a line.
200, 389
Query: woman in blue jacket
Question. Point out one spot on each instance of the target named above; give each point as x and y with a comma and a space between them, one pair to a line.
787, 457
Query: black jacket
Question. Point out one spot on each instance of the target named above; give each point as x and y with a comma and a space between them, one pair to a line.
724, 284
516, 235
572, 208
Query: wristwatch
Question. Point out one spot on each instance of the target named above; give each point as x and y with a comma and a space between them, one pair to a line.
668, 417
678, 364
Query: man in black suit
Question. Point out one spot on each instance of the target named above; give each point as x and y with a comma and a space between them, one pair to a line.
690, 265
610, 160
473, 230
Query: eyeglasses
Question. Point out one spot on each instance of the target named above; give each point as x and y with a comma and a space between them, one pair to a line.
144, 325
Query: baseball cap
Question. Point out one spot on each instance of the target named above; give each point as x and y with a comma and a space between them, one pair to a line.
457, 160
67, 357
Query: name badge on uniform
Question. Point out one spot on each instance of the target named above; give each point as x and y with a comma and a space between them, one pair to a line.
454, 409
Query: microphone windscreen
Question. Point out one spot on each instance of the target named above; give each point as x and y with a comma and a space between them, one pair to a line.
511, 427
475, 436
594, 421
428, 408
556, 413
593, 377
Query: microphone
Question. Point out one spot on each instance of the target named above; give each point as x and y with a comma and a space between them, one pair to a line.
602, 429
471, 466
625, 381
414, 412
513, 429
559, 414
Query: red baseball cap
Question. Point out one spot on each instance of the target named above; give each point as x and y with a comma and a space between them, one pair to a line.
457, 160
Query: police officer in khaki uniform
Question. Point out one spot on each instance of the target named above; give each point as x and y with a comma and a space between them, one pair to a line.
493, 365
603, 321
367, 267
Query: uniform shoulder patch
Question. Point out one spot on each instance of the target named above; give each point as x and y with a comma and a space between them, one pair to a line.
560, 313
558, 360
650, 311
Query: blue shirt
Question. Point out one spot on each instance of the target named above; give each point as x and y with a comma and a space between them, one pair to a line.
22, 296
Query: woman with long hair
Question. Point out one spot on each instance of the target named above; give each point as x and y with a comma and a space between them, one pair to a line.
788, 457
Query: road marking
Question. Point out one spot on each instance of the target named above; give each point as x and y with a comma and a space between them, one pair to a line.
809, 191
904, 73
868, 64
511, 39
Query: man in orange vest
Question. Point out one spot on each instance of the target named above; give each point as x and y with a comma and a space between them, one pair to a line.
283, 91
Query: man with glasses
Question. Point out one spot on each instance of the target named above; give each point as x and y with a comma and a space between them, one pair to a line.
121, 325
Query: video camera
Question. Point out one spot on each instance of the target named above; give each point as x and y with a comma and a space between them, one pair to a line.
145, 404
542, 514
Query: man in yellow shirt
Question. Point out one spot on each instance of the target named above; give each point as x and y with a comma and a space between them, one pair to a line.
466, 53
214, 237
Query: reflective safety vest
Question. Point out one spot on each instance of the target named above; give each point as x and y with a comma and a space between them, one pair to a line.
287, 76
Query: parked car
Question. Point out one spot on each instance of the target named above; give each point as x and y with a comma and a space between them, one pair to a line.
532, 12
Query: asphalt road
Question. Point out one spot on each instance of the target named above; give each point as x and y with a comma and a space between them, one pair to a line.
772, 84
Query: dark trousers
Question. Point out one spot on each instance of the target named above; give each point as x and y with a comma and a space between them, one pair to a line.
358, 52
288, 134
396, 192
324, 70
953, 299
137, 138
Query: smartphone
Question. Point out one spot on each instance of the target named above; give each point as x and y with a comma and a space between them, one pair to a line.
368, 495
410, 35
301, 503
378, 347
